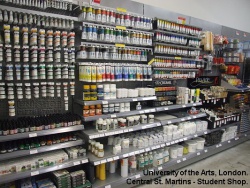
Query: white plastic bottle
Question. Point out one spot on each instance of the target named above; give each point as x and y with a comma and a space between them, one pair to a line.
155, 160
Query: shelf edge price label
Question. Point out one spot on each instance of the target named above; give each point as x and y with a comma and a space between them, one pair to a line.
104, 102
121, 9
205, 132
108, 186
76, 163
141, 112
162, 145
103, 161
195, 117
97, 163
184, 159
34, 173
158, 124
113, 116
137, 176
33, 151
150, 62
120, 45
125, 155
32, 135
237, 138
189, 118
85, 161
229, 141
134, 100
177, 58
120, 27
167, 144
169, 122
147, 149
116, 158
165, 108
160, 168
130, 130
198, 153
195, 135
184, 106
182, 119
110, 159
205, 150
194, 104
178, 161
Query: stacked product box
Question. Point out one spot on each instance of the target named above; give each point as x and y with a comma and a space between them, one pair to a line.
77, 178
62, 179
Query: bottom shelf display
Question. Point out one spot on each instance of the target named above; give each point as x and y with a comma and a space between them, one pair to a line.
128, 178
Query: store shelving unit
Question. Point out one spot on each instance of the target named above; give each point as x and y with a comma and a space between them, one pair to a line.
21, 153
30, 173
41, 133
232, 88
115, 180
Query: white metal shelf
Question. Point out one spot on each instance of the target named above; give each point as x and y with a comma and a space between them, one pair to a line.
22, 175
177, 34
176, 45
143, 111
180, 69
41, 133
112, 45
177, 58
111, 101
93, 134
42, 149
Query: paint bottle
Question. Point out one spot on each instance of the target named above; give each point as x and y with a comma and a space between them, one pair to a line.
124, 167
102, 172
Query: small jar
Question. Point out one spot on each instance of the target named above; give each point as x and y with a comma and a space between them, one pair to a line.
111, 108
151, 118
92, 110
144, 119
105, 109
98, 110
100, 151
86, 111
136, 120
122, 123
117, 107
99, 123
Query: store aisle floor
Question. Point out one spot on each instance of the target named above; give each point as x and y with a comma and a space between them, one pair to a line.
237, 157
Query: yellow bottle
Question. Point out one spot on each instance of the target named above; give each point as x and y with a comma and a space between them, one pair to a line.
102, 172
97, 171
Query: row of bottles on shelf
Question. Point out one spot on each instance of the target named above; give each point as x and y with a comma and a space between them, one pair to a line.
111, 53
40, 123
41, 160
171, 38
100, 72
165, 49
34, 72
103, 125
18, 18
109, 91
102, 15
38, 37
27, 144
173, 74
176, 27
107, 34
63, 5
36, 90
35, 54
176, 63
